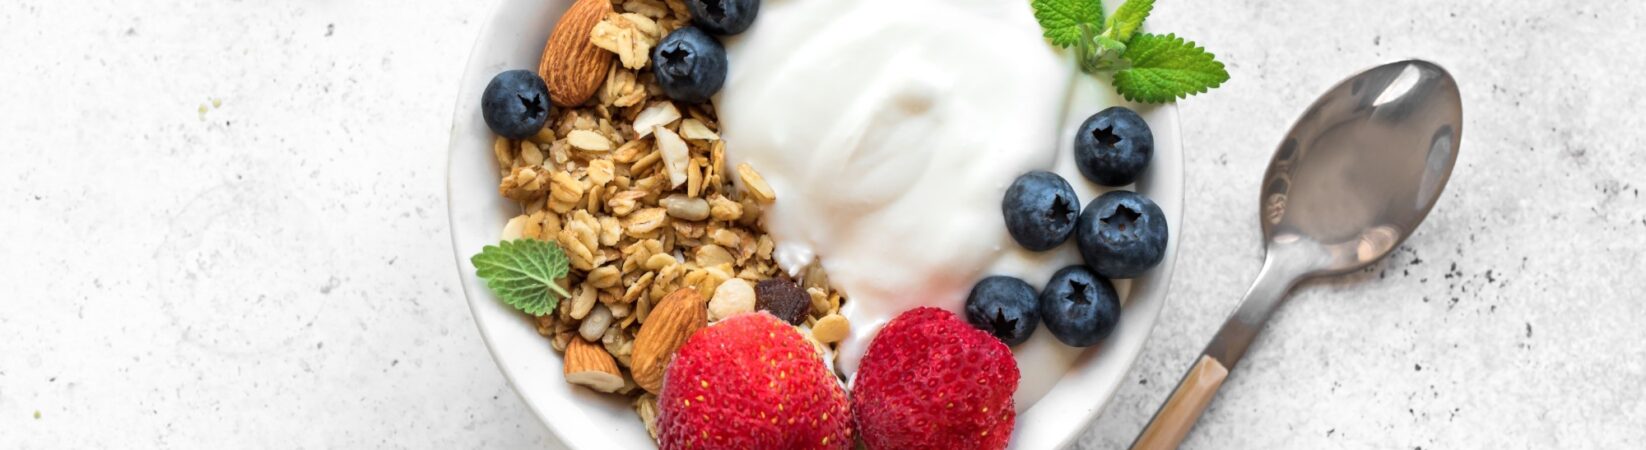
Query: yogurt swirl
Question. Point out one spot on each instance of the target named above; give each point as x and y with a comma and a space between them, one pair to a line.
890, 130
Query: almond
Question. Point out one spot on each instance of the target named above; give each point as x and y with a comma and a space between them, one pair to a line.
673, 320
574, 67
589, 365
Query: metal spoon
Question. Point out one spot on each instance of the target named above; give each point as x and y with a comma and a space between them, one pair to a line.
1355, 176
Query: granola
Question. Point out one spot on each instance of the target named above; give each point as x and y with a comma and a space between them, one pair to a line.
635, 189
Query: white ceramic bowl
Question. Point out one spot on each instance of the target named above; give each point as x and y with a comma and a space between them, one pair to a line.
512, 38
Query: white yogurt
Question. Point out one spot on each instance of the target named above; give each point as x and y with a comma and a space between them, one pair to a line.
890, 130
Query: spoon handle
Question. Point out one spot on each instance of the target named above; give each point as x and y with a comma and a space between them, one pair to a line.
1178, 416
1197, 388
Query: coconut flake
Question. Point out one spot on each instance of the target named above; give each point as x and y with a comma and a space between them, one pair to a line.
675, 155
656, 115
695, 130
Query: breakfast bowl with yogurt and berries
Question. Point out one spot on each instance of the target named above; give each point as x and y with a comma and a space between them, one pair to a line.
809, 224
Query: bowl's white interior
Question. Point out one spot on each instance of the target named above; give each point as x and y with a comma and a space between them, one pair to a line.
513, 39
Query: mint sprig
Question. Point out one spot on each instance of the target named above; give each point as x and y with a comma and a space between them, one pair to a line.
524, 273
1146, 68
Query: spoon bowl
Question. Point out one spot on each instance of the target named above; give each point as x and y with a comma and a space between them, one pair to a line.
1354, 177
1363, 166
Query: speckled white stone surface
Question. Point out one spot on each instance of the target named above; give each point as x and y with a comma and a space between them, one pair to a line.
275, 271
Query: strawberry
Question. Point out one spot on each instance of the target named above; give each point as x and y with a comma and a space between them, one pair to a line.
931, 381
751, 382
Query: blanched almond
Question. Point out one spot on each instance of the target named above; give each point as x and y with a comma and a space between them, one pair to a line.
675, 155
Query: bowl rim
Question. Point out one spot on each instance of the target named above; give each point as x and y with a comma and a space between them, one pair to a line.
571, 436
560, 436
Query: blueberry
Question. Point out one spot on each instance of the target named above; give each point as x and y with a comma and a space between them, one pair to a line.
690, 65
1005, 307
515, 104
1079, 307
1114, 147
1122, 234
723, 17
1041, 210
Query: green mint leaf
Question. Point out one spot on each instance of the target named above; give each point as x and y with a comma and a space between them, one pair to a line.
1062, 19
1166, 68
1127, 19
523, 274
